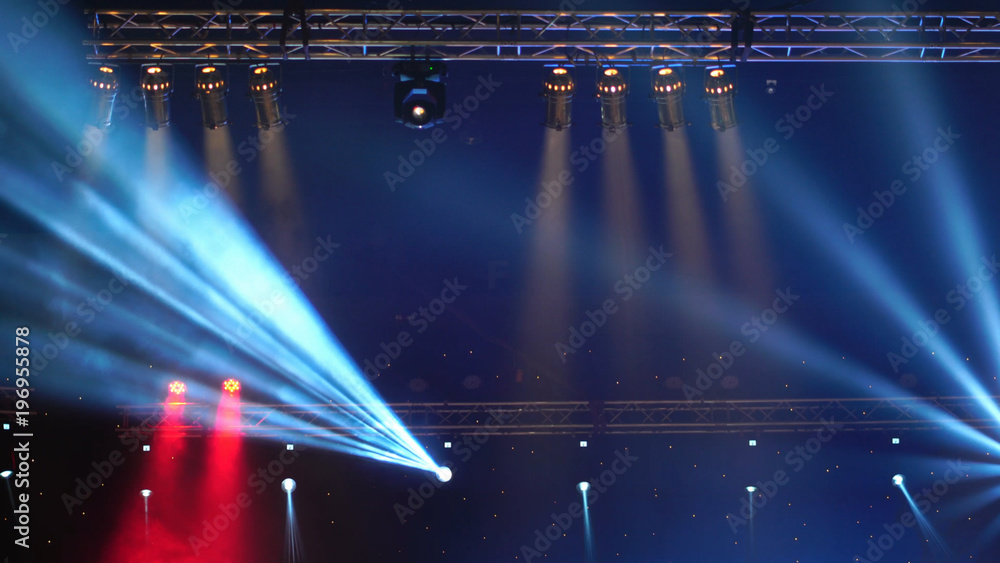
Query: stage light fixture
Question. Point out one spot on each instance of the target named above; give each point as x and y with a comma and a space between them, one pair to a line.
419, 96
558, 93
157, 85
146, 492
720, 90
288, 485
6, 426
583, 443
583, 486
751, 489
895, 441
443, 474
447, 445
897, 480
752, 443
211, 87
265, 88
6, 473
145, 447
668, 93
231, 385
105, 85
177, 388
612, 88
289, 447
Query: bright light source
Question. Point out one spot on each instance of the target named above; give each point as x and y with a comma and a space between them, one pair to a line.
611, 91
156, 89
145, 448
264, 91
289, 447
6, 426
751, 489
447, 445
443, 474
897, 480
418, 112
212, 87
895, 441
146, 492
583, 443
177, 387
288, 485
231, 385
6, 473
753, 443
583, 486
558, 94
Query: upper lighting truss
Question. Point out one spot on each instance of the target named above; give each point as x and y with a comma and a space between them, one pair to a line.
612, 417
245, 35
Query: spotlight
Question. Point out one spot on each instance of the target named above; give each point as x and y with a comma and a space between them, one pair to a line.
178, 388
443, 474
771, 87
558, 95
720, 88
6, 426
447, 445
156, 88
751, 489
231, 385
897, 480
668, 92
289, 447
6, 473
105, 85
146, 492
264, 91
288, 485
583, 486
752, 443
145, 447
419, 96
895, 441
611, 91
583, 443
212, 87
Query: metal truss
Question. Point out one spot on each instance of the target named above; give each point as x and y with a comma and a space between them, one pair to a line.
583, 418
579, 37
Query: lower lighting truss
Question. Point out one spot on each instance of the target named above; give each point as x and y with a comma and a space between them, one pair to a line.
611, 417
637, 37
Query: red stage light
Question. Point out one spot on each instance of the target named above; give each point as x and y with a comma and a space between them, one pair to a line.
231, 385
177, 387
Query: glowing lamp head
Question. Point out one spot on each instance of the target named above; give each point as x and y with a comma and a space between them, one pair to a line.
6, 473
559, 70
897, 480
443, 474
419, 112
154, 70
208, 69
751, 489
583, 486
716, 73
177, 388
231, 385
665, 71
611, 72
288, 485
146, 492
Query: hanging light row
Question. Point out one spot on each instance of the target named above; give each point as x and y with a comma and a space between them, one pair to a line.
211, 89
668, 89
